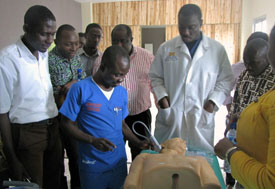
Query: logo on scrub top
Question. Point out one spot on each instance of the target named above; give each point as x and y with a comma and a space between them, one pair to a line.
93, 107
89, 162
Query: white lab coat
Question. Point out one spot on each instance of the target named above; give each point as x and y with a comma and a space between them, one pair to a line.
189, 83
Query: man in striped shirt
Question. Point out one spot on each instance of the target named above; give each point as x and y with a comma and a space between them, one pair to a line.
136, 82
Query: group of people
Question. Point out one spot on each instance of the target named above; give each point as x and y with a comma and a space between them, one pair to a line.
86, 101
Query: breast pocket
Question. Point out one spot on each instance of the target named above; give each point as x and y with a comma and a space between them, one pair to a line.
116, 111
206, 118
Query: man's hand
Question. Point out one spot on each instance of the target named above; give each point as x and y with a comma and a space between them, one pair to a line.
68, 86
222, 146
164, 103
17, 170
103, 144
231, 119
209, 106
144, 144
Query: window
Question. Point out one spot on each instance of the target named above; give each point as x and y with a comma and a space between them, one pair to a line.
259, 24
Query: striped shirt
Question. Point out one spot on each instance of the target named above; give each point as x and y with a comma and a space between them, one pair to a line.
137, 82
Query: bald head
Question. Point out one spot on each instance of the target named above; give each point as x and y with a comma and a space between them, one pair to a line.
111, 54
255, 56
114, 66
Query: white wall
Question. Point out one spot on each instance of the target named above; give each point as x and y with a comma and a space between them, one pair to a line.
87, 14
12, 16
252, 9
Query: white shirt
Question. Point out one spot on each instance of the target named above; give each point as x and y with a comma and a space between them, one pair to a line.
26, 89
107, 94
189, 83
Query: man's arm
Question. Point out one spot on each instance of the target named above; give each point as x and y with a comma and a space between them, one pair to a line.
18, 171
224, 82
156, 75
164, 103
128, 134
70, 127
67, 86
209, 106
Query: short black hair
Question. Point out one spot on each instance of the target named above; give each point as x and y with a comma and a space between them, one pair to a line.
256, 35
91, 26
81, 34
64, 27
255, 45
190, 9
122, 27
37, 14
111, 54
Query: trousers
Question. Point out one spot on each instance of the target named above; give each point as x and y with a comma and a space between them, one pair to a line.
38, 147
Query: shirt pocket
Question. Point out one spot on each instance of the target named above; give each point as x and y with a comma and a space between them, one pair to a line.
116, 111
206, 118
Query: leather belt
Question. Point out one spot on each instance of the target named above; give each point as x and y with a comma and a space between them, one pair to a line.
44, 122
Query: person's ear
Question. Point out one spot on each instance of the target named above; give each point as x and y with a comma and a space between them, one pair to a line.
201, 22
131, 39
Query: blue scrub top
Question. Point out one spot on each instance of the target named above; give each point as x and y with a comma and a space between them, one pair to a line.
99, 117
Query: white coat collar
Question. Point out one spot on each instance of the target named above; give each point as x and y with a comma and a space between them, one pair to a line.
204, 42
203, 46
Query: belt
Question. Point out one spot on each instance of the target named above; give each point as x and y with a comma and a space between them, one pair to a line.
46, 122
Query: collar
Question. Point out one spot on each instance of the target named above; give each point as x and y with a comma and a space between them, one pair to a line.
267, 71
134, 52
82, 52
204, 42
59, 56
25, 52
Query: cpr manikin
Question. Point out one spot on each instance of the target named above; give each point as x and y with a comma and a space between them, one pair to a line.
171, 169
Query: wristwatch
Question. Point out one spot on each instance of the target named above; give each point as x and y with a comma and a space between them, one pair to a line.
229, 151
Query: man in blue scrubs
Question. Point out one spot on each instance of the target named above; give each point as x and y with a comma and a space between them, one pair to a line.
100, 105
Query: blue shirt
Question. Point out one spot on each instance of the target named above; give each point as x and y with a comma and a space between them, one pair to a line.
99, 117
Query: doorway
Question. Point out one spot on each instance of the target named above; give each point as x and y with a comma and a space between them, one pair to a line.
152, 37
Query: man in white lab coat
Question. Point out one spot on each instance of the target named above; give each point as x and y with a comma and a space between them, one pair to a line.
191, 77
